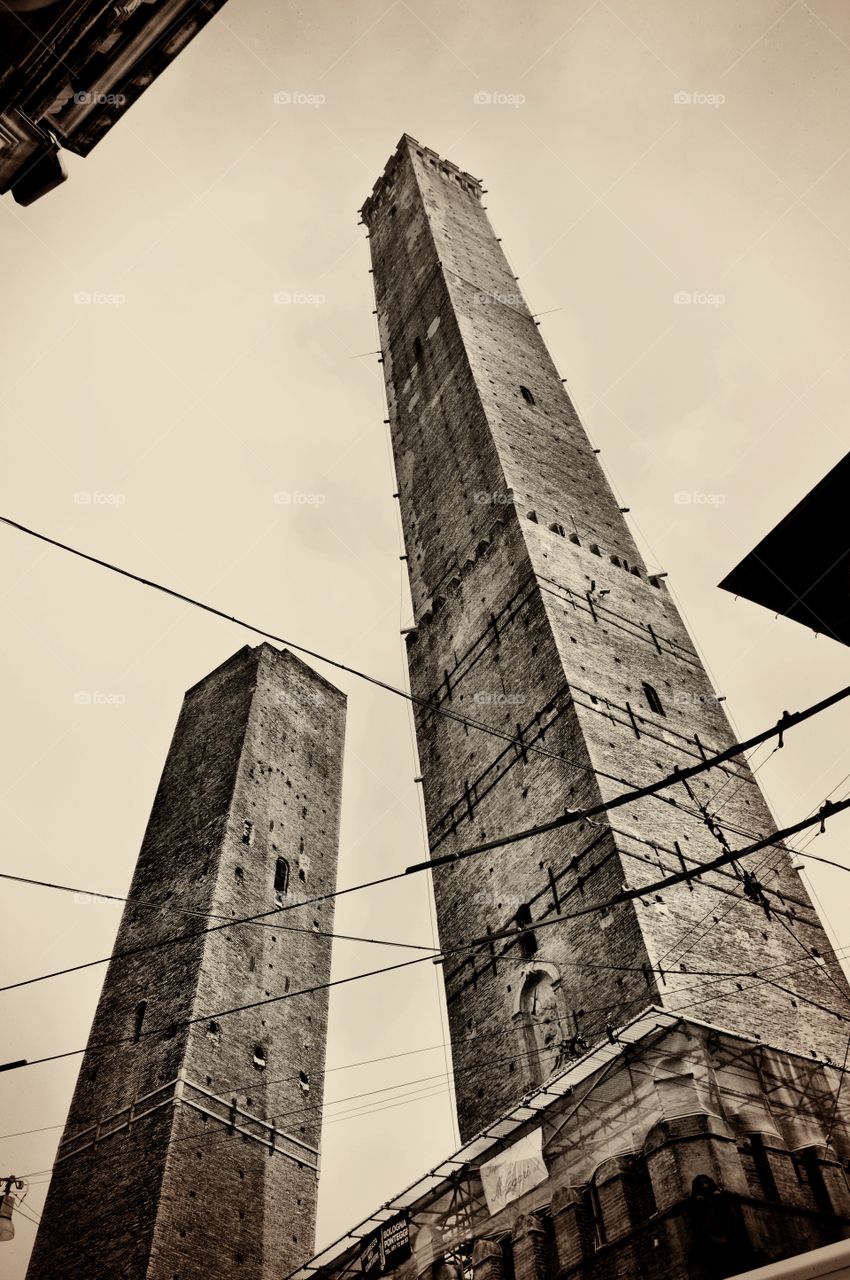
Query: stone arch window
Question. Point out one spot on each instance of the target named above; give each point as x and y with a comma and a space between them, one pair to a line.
506, 1248
808, 1162
281, 881
652, 700
527, 395
558, 528
638, 1188
757, 1166
761, 1166
539, 1012
259, 1057
620, 1198
757, 1132
532, 516
417, 348
592, 1214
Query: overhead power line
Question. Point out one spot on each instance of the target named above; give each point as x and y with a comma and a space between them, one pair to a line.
710, 978
786, 721
295, 1075
204, 915
300, 1112
172, 909
827, 810
624, 895
388, 1103
568, 818
571, 816
214, 1135
186, 937
772, 870
423, 703
260, 920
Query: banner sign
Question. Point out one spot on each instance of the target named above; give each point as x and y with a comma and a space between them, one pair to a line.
387, 1247
514, 1171
370, 1258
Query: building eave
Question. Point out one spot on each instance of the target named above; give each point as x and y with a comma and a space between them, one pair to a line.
533, 1105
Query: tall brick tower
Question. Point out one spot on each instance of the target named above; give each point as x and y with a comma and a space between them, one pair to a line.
535, 614
191, 1147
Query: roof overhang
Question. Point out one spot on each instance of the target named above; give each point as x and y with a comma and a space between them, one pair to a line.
600, 1059
801, 569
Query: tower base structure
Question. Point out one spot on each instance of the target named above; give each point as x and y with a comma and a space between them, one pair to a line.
671, 1149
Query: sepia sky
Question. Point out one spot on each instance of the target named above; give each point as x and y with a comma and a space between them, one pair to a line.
157, 398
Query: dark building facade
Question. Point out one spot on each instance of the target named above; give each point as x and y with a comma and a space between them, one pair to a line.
675, 1150
801, 569
193, 1135
536, 616
70, 69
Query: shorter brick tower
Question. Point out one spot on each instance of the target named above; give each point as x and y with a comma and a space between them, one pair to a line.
191, 1147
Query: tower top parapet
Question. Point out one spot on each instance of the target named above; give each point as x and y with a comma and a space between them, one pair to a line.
408, 145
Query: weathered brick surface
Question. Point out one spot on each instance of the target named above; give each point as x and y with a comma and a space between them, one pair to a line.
628, 1153
535, 615
258, 742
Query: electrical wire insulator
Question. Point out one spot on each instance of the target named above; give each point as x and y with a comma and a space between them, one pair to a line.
7, 1206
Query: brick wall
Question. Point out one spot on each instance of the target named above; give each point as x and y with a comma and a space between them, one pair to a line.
651, 1170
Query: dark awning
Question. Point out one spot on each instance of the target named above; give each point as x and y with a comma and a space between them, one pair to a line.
801, 569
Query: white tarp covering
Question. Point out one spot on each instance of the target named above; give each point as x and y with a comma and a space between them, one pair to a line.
514, 1171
